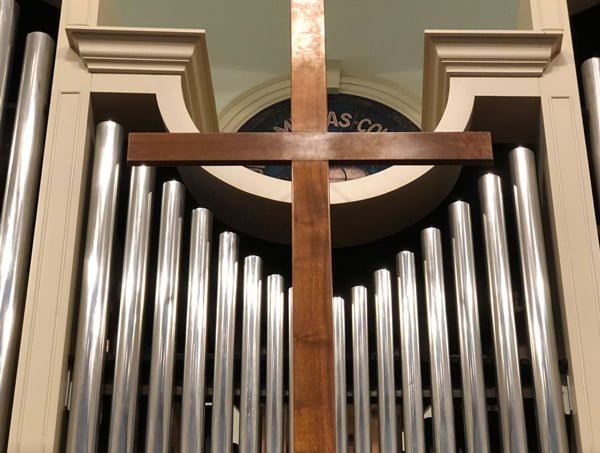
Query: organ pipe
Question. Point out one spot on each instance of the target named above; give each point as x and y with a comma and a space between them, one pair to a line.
360, 371
412, 392
9, 11
91, 331
131, 310
274, 407
160, 394
471, 360
538, 303
20, 196
250, 381
441, 385
590, 76
339, 344
510, 397
221, 424
290, 369
194, 368
385, 361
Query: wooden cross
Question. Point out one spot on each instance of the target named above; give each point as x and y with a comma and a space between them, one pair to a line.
310, 148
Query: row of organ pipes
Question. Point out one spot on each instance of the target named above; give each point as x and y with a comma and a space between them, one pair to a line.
21, 188
261, 424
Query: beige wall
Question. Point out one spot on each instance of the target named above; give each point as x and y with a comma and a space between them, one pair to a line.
42, 375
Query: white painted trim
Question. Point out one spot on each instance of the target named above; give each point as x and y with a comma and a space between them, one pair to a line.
452, 53
152, 51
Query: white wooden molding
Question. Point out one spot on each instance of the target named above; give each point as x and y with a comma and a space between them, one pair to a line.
451, 54
152, 51
137, 50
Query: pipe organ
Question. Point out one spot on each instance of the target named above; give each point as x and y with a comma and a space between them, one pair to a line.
439, 350
21, 188
182, 342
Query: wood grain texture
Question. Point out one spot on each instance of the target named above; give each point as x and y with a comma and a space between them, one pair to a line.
309, 74
407, 148
314, 386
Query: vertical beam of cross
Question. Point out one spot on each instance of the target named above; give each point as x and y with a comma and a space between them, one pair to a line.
313, 398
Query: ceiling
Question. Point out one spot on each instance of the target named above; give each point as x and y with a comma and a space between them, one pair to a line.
249, 41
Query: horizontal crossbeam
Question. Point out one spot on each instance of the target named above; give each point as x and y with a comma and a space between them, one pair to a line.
406, 148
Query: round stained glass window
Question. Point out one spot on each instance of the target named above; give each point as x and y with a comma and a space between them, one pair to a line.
347, 113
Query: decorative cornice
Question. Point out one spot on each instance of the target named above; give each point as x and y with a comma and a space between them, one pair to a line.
480, 54
152, 51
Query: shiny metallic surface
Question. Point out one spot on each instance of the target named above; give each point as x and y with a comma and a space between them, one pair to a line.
552, 433
510, 397
590, 76
160, 393
222, 407
441, 384
194, 368
339, 344
9, 11
385, 361
471, 360
20, 197
274, 386
91, 330
360, 371
412, 391
290, 433
250, 390
131, 310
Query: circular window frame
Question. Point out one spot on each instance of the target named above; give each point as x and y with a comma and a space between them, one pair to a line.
415, 190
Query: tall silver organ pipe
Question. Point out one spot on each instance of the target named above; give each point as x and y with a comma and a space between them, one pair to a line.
534, 271
91, 330
360, 371
339, 343
194, 368
385, 362
131, 310
9, 11
250, 381
590, 74
20, 196
162, 361
290, 370
274, 408
471, 360
412, 392
221, 424
510, 398
441, 385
